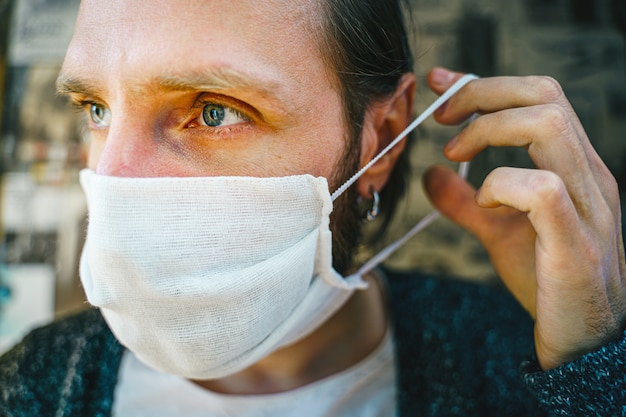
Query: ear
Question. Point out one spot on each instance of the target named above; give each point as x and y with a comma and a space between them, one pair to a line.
384, 121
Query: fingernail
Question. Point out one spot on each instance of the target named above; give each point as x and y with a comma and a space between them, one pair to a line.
477, 195
441, 76
441, 110
452, 143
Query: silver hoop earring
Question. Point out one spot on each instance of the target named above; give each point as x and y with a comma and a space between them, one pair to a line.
375, 210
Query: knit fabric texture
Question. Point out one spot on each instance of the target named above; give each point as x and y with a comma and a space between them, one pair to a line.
68, 368
594, 385
458, 350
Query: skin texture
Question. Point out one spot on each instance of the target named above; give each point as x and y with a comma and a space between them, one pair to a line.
553, 233
143, 76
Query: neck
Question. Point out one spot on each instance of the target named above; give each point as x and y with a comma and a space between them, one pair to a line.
348, 337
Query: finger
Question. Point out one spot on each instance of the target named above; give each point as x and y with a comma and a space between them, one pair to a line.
542, 195
488, 95
577, 279
546, 132
542, 129
502, 231
453, 197
501, 93
567, 254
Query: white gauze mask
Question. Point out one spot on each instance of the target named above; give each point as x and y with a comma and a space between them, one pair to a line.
204, 276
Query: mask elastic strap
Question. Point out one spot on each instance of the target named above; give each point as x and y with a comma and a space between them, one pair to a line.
382, 256
427, 113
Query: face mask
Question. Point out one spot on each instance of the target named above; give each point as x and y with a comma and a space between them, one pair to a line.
203, 277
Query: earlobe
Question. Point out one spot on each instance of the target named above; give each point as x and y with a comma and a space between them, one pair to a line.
384, 121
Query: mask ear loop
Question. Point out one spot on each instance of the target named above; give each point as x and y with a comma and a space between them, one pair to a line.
463, 169
426, 221
460, 83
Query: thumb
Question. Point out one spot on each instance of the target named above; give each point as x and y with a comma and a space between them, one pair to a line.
454, 198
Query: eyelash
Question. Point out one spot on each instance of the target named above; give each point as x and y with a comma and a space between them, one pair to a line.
82, 105
79, 105
201, 103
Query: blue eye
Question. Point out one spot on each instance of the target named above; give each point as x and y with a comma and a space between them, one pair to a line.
100, 115
214, 115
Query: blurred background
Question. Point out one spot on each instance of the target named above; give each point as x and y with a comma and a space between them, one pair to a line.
42, 210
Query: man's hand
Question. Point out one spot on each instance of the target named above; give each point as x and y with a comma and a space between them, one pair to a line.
553, 233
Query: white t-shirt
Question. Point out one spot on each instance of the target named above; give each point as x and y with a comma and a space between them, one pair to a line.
366, 389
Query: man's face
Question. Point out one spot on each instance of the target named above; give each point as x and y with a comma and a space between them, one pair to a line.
220, 87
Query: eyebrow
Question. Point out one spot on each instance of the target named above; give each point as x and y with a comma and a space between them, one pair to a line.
209, 79
66, 84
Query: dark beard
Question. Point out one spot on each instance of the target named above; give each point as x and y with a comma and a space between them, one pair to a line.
345, 220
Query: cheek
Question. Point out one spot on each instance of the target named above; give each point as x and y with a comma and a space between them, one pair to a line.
324, 155
325, 151
315, 154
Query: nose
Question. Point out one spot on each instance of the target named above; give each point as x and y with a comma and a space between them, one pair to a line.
128, 150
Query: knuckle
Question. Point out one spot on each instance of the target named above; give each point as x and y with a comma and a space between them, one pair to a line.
479, 124
470, 88
555, 119
548, 188
549, 89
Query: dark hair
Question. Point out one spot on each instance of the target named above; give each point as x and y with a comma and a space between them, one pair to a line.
366, 47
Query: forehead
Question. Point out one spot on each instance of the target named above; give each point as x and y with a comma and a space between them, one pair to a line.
269, 39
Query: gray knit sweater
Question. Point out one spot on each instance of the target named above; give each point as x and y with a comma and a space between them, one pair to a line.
459, 349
